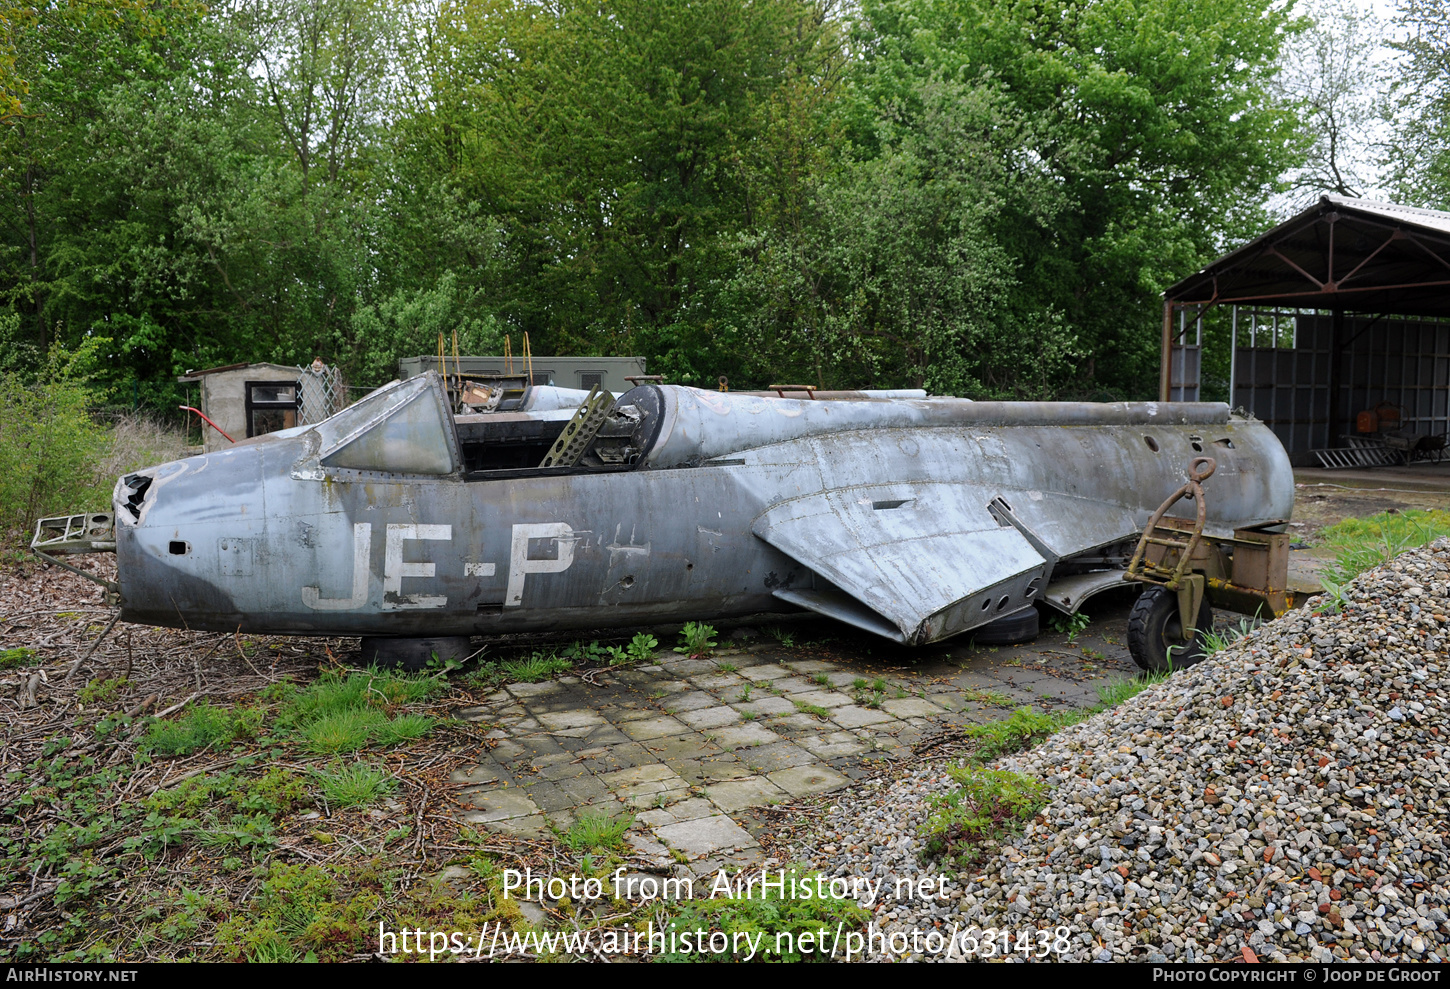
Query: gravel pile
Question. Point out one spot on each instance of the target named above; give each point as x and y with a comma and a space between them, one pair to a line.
1285, 800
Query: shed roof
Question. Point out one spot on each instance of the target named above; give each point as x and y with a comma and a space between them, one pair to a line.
1340, 253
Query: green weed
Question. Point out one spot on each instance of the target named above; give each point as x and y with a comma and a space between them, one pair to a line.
696, 640
642, 646
1071, 625
101, 691
357, 784
536, 668
1113, 694
200, 727
786, 639
993, 697
1362, 544
596, 833
814, 709
1022, 730
12, 659
1218, 641
988, 805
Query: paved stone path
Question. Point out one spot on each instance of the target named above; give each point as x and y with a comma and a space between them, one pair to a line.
686, 746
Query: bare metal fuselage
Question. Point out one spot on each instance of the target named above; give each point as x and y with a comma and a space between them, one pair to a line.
915, 519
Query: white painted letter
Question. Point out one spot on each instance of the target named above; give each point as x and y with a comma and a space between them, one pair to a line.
362, 548
520, 564
394, 569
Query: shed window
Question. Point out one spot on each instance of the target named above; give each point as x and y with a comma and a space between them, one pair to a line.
271, 406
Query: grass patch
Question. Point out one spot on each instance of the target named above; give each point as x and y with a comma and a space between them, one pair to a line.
536, 668
1113, 694
1362, 544
200, 727
14, 659
345, 713
357, 784
597, 833
814, 709
993, 697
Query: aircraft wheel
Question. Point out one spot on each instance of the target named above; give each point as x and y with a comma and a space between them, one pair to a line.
1155, 632
1009, 630
413, 654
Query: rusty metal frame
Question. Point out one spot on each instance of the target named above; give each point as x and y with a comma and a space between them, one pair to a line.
1246, 573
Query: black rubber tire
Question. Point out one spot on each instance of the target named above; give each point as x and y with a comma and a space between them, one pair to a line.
1154, 627
413, 654
1009, 630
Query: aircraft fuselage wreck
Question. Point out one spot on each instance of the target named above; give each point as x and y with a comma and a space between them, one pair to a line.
915, 519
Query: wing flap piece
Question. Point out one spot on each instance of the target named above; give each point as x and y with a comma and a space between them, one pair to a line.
929, 559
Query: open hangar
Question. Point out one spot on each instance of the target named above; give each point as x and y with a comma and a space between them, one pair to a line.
1338, 326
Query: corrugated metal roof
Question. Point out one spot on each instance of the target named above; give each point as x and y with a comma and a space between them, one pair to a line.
1431, 218
1340, 253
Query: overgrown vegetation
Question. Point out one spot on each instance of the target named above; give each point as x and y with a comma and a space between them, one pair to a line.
890, 193
107, 802
990, 805
697, 640
55, 459
1362, 544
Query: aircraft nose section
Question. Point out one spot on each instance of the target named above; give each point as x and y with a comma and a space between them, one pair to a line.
178, 525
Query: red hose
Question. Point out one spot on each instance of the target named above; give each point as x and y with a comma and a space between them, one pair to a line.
188, 408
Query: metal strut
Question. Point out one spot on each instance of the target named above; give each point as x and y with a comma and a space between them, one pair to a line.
1184, 540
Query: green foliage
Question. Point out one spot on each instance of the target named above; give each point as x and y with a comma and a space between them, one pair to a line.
1419, 154
696, 640
12, 659
339, 713
200, 727
535, 668
49, 447
786, 639
1022, 730
408, 322
982, 199
101, 691
357, 784
1113, 694
769, 914
988, 805
1071, 625
594, 832
1362, 544
1214, 641
642, 647
812, 709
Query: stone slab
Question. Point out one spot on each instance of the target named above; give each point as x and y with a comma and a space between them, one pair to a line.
648, 728
710, 717
751, 791
911, 707
706, 836
802, 781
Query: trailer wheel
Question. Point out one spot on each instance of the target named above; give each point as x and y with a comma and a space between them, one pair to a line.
1155, 632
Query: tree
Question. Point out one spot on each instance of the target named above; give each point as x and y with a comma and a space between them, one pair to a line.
1154, 122
607, 138
1331, 74
1418, 158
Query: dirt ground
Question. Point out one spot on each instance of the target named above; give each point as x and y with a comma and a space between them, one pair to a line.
1324, 497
